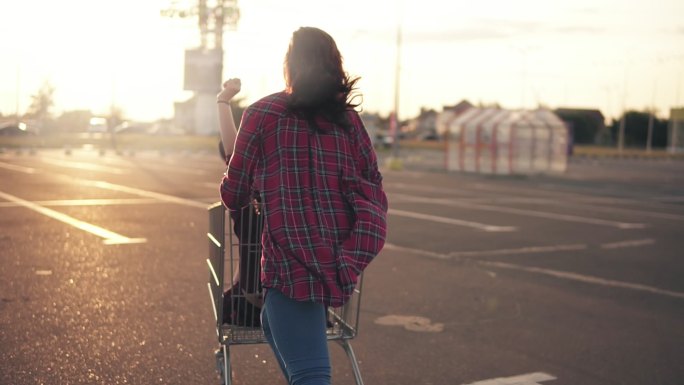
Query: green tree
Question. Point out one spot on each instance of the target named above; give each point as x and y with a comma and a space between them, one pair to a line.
42, 102
586, 125
116, 117
73, 121
636, 129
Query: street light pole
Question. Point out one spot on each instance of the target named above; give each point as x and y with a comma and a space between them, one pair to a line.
651, 117
397, 79
621, 133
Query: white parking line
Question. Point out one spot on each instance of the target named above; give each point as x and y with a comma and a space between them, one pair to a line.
585, 278
669, 198
530, 213
110, 237
144, 193
14, 167
406, 186
83, 166
623, 244
172, 168
87, 202
391, 246
451, 221
155, 165
488, 253
523, 379
522, 250
538, 270
214, 185
613, 209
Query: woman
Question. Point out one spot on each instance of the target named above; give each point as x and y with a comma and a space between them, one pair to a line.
305, 155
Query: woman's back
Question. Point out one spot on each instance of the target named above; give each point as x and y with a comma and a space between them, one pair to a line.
299, 167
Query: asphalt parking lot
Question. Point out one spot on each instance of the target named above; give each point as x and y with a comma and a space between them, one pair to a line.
572, 279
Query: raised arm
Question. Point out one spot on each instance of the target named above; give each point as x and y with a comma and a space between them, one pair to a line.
227, 128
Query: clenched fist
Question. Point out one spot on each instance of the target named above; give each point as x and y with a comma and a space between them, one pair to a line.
230, 88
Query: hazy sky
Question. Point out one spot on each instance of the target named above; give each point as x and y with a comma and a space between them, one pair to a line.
602, 54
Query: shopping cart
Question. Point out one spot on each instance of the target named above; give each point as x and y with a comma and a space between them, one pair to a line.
236, 300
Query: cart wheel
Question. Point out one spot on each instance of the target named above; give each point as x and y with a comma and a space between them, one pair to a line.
220, 365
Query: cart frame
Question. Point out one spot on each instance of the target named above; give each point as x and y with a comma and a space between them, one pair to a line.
224, 260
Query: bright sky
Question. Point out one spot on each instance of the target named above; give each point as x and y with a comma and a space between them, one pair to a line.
602, 54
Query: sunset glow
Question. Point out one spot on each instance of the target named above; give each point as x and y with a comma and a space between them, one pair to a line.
603, 54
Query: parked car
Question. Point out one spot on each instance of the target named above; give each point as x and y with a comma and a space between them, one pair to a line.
383, 141
429, 136
132, 128
97, 124
14, 129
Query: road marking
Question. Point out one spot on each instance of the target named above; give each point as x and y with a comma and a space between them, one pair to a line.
538, 270
623, 244
585, 202
668, 198
155, 166
405, 186
486, 253
530, 213
110, 237
214, 185
83, 166
522, 250
523, 379
135, 191
614, 210
410, 323
585, 278
171, 168
451, 221
14, 167
145, 193
391, 246
86, 202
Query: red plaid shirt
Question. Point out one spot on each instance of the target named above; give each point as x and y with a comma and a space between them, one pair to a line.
300, 176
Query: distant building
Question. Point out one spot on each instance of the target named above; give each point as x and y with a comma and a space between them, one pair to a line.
449, 113
499, 141
184, 115
197, 115
424, 126
373, 124
458, 108
675, 135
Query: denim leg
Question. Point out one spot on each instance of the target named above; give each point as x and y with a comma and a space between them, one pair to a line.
298, 332
269, 337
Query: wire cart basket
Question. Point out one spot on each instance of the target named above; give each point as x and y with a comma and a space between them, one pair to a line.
235, 289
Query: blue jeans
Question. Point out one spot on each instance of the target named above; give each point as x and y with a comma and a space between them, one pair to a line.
296, 332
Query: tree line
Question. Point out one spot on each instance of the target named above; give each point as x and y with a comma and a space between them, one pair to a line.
586, 126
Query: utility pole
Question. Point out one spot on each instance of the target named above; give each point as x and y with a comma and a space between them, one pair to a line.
649, 138
204, 64
397, 79
16, 99
621, 133
213, 18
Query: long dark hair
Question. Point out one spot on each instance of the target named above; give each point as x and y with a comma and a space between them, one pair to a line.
315, 77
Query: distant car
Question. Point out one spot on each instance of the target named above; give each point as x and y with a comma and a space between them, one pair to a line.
383, 141
14, 129
429, 136
131, 128
97, 124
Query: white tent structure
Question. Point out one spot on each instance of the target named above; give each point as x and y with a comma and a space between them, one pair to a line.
499, 141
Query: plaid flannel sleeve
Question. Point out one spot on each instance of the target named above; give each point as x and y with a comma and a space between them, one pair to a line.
237, 182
